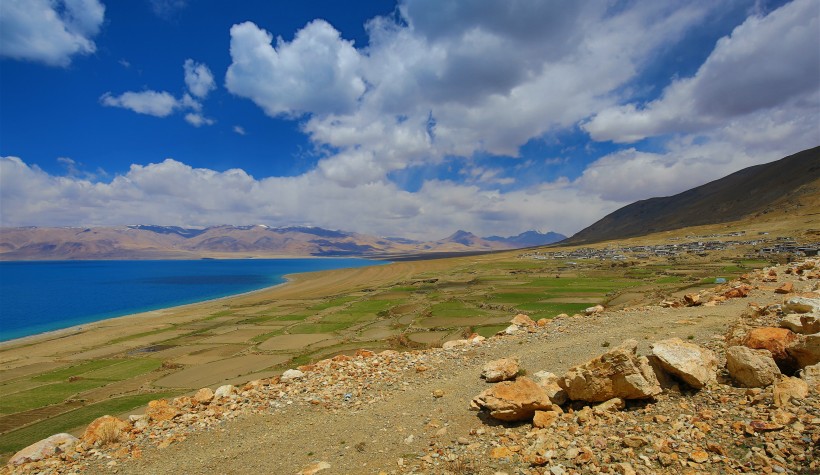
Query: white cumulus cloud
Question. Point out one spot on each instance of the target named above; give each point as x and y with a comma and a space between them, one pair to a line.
317, 72
49, 32
198, 78
155, 103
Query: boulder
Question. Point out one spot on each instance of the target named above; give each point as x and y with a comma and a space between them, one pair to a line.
805, 350
549, 382
787, 388
691, 300
613, 405
802, 305
500, 370
617, 373
751, 368
45, 448
204, 396
594, 310
776, 340
696, 366
105, 430
160, 410
513, 400
291, 375
523, 320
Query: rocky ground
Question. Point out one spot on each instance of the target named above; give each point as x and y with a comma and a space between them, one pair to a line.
410, 412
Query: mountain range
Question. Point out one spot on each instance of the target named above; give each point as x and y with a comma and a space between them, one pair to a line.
170, 242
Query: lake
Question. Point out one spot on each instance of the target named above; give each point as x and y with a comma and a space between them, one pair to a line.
40, 296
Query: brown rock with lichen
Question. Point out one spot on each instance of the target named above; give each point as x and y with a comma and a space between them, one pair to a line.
105, 430
513, 400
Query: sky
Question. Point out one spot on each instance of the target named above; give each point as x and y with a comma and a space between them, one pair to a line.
410, 118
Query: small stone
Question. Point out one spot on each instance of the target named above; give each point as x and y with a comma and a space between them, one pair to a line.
314, 468
544, 419
522, 320
463, 441
437, 393
625, 468
594, 310
501, 452
699, 456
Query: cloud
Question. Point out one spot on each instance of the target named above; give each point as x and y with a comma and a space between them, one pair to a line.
766, 62
496, 77
198, 78
239, 130
317, 72
166, 9
199, 81
198, 120
49, 32
157, 104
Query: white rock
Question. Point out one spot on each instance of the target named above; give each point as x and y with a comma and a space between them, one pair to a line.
45, 448
696, 366
291, 375
223, 391
751, 368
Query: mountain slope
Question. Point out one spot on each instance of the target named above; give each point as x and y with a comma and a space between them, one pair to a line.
752, 191
529, 239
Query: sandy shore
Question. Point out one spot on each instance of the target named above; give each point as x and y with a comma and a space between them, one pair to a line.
75, 342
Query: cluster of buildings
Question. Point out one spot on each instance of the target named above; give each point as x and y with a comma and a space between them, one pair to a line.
695, 245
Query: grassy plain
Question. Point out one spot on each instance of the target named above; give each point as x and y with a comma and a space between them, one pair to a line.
61, 381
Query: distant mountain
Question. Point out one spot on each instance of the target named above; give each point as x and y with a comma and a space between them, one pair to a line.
529, 239
174, 242
752, 191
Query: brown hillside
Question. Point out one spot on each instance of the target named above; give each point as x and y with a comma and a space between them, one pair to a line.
784, 185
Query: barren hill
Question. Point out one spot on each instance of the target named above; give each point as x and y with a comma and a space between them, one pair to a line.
778, 186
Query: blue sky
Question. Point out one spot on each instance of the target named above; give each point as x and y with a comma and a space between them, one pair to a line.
411, 118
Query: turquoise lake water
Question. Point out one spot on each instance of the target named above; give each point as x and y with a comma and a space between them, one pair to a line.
38, 296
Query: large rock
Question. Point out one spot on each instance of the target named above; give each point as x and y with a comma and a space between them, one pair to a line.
594, 310
204, 396
549, 381
696, 366
105, 430
751, 368
805, 350
500, 370
617, 373
802, 305
226, 390
513, 400
786, 389
776, 340
45, 448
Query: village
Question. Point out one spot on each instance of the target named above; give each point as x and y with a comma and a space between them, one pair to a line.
694, 245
